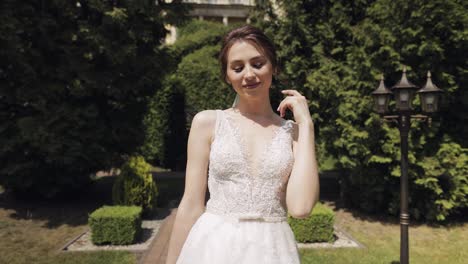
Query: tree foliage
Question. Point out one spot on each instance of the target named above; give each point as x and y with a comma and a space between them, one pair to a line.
335, 51
75, 77
194, 85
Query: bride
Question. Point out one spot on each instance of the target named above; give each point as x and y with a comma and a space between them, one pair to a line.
257, 166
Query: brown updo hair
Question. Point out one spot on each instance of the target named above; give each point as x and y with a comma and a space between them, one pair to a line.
252, 35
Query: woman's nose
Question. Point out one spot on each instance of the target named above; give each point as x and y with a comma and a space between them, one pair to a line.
249, 73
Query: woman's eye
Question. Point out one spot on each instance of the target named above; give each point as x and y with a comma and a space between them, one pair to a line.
258, 65
255, 65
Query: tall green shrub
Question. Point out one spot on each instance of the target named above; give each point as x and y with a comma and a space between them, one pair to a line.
193, 86
197, 34
164, 127
74, 81
135, 186
334, 52
446, 175
199, 76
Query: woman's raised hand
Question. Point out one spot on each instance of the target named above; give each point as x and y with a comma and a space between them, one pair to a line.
297, 103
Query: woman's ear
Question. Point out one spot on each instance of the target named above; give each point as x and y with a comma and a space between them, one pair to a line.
227, 80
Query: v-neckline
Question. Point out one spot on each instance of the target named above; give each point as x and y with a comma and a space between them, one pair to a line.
242, 143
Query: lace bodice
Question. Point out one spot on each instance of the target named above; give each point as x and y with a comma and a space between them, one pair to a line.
236, 186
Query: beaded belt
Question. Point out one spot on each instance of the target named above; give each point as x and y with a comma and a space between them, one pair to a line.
250, 217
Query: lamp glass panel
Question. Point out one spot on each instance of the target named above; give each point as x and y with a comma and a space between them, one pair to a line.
430, 98
404, 95
381, 100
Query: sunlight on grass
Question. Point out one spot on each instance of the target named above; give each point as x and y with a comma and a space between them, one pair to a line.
34, 234
102, 257
382, 242
31, 241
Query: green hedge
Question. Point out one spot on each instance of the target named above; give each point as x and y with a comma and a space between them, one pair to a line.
199, 76
74, 82
197, 34
335, 52
135, 185
318, 227
165, 132
117, 225
194, 85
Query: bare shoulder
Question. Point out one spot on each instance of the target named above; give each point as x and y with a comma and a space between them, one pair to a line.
205, 122
205, 118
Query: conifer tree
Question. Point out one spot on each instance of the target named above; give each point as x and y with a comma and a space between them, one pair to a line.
75, 78
335, 51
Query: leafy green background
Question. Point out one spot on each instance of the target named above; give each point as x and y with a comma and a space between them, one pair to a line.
335, 51
82, 88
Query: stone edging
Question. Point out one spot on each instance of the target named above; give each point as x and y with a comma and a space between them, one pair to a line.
83, 241
344, 240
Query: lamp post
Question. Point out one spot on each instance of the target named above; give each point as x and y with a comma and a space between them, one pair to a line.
404, 92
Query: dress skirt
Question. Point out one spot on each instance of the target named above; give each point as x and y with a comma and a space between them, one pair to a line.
217, 239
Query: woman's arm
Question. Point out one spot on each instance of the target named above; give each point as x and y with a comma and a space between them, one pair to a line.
192, 204
302, 192
303, 187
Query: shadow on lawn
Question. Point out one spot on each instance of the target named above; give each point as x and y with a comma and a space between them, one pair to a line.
75, 209
71, 211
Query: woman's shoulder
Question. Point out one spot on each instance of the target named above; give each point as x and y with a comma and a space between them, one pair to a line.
289, 124
204, 122
205, 118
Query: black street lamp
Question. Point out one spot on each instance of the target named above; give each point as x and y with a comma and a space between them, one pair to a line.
403, 93
382, 97
429, 96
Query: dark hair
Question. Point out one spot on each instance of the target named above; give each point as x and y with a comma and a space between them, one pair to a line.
252, 35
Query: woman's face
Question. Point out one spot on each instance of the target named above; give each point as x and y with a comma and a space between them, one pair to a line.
248, 71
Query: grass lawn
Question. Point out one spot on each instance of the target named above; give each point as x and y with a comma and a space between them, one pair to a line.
32, 241
33, 232
381, 238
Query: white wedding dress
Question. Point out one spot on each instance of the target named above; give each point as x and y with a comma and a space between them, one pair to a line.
245, 221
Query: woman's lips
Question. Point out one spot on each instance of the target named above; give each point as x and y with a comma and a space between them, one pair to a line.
251, 86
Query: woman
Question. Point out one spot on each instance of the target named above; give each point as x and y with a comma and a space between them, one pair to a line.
261, 167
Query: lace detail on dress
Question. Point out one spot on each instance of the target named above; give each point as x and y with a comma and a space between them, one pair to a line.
234, 189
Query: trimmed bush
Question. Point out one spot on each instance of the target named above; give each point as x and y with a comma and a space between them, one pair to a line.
135, 185
116, 225
318, 227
